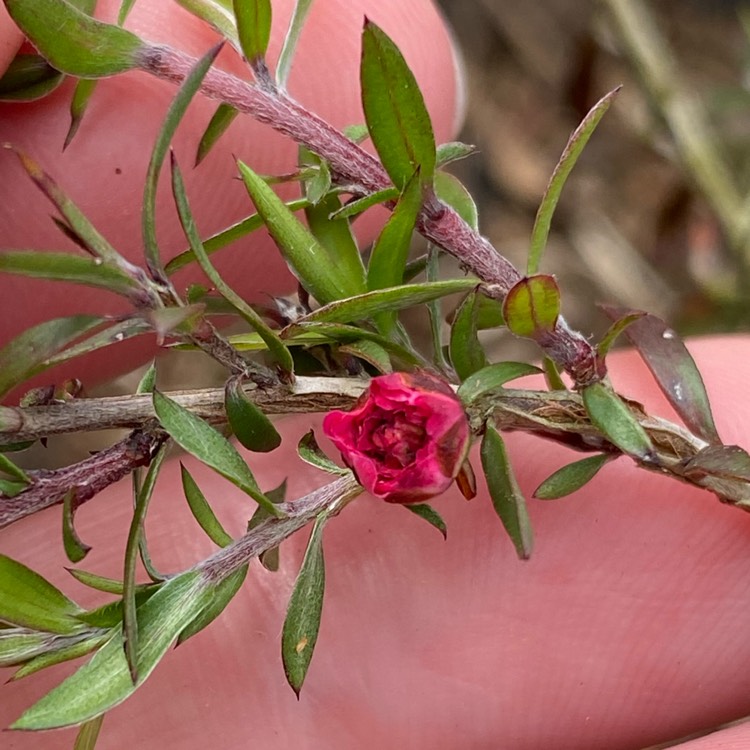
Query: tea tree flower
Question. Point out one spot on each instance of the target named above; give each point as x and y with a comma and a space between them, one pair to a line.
406, 438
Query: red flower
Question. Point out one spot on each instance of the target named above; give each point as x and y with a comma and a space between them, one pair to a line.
406, 438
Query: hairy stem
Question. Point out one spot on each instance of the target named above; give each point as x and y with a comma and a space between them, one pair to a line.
363, 174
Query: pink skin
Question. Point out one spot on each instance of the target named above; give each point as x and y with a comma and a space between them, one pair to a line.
627, 626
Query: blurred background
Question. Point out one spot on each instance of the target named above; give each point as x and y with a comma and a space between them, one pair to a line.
656, 213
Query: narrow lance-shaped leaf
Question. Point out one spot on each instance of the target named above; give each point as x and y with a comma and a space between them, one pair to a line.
133, 546
491, 378
217, 14
275, 345
222, 118
176, 111
197, 437
202, 511
75, 650
395, 111
429, 514
105, 681
88, 734
571, 477
355, 207
573, 149
28, 78
28, 600
306, 257
674, 369
309, 451
289, 47
74, 269
609, 413
391, 250
82, 229
609, 338
250, 425
724, 461
453, 151
507, 499
79, 102
28, 353
531, 308
75, 548
96, 582
86, 48
450, 190
8, 467
227, 236
365, 306
302, 621
253, 19
466, 352
434, 310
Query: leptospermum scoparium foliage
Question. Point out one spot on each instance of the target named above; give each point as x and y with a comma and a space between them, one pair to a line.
341, 340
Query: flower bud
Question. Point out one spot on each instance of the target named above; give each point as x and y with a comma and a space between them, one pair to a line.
406, 437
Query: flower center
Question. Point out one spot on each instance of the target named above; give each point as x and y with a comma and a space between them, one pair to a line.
393, 438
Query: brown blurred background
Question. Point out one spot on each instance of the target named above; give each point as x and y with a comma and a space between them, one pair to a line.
654, 214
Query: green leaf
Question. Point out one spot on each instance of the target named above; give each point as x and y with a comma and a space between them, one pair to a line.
609, 413
202, 511
391, 250
302, 621
288, 48
217, 598
573, 149
219, 15
114, 334
253, 19
27, 354
227, 236
9, 488
111, 614
369, 352
369, 305
105, 681
430, 515
570, 478
88, 734
18, 645
451, 191
74, 269
491, 378
75, 43
8, 467
358, 206
434, 311
507, 499
276, 346
79, 103
175, 113
395, 111
466, 351
28, 600
336, 236
489, 313
269, 558
148, 380
552, 375
222, 118
74, 650
75, 221
531, 308
674, 369
133, 546
357, 133
125, 7
96, 582
75, 549
250, 425
453, 151
309, 451
603, 347
208, 445
28, 78
306, 257
319, 184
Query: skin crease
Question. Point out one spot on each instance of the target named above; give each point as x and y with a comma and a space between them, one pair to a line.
625, 628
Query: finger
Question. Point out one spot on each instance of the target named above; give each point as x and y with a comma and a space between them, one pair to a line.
625, 628
10, 39
104, 168
732, 738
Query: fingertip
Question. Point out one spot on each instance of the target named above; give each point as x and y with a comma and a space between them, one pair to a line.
10, 39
